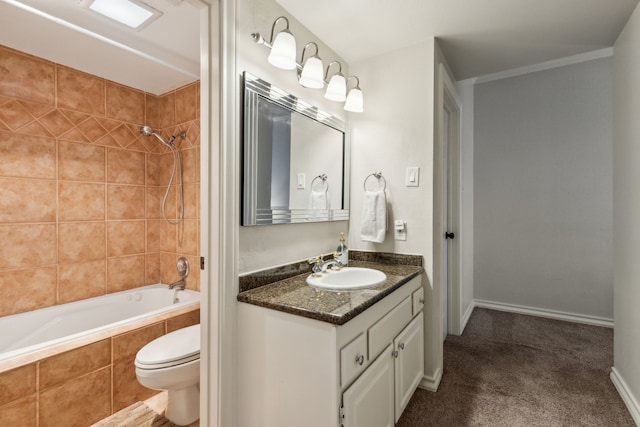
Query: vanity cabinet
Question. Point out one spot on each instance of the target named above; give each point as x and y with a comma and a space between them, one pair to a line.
298, 371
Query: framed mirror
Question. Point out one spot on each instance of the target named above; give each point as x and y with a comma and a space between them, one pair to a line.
295, 159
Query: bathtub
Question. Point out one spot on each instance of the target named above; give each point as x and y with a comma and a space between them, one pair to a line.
30, 336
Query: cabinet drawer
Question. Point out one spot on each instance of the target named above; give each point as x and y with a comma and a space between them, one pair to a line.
383, 332
352, 359
418, 300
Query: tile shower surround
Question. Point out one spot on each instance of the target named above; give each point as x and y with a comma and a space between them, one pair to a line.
81, 188
84, 385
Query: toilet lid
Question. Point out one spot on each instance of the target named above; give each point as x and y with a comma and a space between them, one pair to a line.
175, 346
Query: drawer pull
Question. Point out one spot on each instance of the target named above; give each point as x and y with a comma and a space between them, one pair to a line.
360, 359
401, 346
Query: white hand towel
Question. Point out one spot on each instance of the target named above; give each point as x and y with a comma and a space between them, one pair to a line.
318, 200
374, 217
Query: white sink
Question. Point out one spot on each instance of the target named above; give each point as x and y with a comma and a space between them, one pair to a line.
347, 278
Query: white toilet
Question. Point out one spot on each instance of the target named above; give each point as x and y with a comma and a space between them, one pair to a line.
172, 362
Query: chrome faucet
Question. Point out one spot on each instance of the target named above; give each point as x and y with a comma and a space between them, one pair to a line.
180, 284
321, 266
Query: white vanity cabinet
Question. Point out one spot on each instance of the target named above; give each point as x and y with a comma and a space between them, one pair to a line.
296, 371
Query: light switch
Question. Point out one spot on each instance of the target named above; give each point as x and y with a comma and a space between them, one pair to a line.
413, 176
301, 183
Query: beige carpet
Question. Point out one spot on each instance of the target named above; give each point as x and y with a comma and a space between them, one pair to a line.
515, 370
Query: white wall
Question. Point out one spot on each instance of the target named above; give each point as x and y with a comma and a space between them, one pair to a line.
270, 245
626, 200
396, 131
543, 207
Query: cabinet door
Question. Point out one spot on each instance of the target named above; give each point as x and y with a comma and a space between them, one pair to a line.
369, 400
409, 362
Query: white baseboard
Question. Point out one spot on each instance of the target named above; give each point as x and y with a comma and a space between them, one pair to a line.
540, 312
431, 383
623, 390
466, 316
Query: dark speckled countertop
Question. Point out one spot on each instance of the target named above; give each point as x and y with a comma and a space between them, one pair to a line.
285, 288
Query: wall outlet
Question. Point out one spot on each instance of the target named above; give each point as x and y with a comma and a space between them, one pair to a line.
399, 230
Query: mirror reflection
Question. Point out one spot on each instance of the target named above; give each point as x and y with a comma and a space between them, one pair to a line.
295, 159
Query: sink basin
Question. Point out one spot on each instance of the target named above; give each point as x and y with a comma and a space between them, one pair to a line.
348, 278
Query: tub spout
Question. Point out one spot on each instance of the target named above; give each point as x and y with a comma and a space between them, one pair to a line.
180, 284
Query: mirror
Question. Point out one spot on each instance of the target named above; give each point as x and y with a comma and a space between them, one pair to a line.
296, 159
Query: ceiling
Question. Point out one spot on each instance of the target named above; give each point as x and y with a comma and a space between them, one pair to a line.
161, 57
478, 37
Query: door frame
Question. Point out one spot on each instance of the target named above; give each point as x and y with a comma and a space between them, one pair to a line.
446, 97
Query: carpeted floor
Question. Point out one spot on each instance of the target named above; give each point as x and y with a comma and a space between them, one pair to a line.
515, 370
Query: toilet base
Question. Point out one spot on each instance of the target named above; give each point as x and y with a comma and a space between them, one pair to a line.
183, 406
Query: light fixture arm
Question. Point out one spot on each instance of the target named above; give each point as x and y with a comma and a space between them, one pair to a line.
357, 81
257, 37
304, 49
273, 26
326, 74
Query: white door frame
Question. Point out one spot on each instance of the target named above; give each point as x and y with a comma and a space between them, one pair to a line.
218, 212
446, 98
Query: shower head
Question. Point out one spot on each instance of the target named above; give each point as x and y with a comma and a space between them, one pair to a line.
148, 131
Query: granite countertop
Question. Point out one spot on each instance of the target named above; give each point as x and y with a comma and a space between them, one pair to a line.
291, 294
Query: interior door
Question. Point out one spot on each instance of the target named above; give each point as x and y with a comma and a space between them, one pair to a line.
445, 215
369, 401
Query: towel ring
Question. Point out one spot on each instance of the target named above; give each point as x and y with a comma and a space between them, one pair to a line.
378, 176
322, 177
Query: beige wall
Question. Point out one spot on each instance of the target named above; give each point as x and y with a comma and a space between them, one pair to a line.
81, 188
626, 208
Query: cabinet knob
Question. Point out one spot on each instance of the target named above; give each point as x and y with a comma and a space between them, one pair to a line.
394, 353
401, 346
360, 359
421, 300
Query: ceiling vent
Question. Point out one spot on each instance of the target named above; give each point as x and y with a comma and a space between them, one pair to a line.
135, 14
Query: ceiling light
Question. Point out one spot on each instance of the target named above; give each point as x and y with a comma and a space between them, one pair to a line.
132, 13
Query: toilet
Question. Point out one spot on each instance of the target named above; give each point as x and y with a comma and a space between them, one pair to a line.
172, 362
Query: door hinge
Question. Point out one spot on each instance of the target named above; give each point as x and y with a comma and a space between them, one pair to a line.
201, 263
341, 415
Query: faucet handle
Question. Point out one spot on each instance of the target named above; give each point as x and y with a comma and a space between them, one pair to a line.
336, 255
314, 260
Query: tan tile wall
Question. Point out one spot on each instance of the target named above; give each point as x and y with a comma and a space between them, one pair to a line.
81, 386
81, 188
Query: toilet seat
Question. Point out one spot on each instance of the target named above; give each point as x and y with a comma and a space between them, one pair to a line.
175, 348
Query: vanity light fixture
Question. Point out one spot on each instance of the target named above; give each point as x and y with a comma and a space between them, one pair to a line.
132, 13
354, 102
283, 48
310, 72
337, 86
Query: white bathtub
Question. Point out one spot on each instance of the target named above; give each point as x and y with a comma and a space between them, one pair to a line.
40, 333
